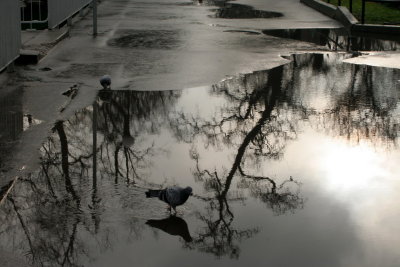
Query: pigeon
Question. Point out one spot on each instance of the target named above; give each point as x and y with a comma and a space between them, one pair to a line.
172, 225
71, 92
173, 196
105, 81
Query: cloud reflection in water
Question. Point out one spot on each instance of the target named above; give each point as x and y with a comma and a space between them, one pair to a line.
287, 141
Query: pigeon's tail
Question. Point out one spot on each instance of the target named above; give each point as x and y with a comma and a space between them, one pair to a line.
153, 193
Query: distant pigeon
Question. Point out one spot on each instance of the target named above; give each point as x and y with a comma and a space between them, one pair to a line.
71, 92
173, 196
172, 225
105, 81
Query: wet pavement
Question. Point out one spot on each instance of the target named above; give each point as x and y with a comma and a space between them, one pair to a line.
339, 39
288, 167
291, 156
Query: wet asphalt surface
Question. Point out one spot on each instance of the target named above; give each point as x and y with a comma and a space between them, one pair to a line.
194, 103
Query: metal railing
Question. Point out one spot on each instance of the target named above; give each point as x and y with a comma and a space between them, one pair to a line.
10, 32
34, 14
363, 5
40, 14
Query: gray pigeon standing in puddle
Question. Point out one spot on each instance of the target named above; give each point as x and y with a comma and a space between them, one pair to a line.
174, 196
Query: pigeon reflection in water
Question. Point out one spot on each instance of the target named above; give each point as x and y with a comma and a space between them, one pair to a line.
172, 225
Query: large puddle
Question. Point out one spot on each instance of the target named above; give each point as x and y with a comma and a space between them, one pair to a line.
295, 166
146, 39
238, 11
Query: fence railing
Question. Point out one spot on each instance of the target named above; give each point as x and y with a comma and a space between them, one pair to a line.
40, 14
34, 14
10, 32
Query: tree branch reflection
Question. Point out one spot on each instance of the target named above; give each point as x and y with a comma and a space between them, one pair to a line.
57, 215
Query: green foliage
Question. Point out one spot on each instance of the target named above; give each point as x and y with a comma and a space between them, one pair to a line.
375, 13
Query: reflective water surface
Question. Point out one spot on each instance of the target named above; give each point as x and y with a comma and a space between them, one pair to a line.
238, 11
13, 122
295, 166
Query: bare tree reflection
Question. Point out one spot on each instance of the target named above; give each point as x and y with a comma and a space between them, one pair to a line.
359, 102
62, 202
255, 123
117, 124
219, 236
257, 127
260, 116
57, 215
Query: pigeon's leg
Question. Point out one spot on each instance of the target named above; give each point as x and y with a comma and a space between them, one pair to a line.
174, 209
169, 209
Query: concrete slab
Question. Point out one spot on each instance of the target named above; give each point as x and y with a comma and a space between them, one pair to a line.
27, 57
343, 15
42, 41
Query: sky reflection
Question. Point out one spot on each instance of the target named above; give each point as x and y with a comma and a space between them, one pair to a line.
297, 166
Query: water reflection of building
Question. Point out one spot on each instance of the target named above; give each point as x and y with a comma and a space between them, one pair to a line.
11, 119
11, 115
